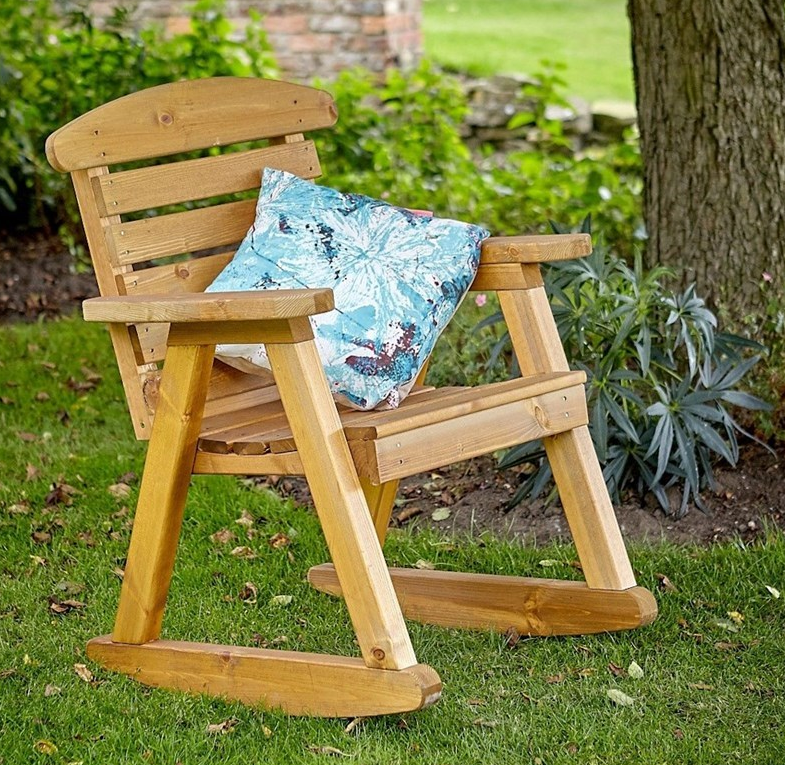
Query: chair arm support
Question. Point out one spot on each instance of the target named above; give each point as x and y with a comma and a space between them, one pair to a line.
209, 307
534, 249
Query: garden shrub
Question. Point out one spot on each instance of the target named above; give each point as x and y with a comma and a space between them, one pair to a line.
399, 138
55, 66
660, 378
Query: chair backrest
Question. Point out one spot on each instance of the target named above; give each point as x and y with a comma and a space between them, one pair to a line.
124, 210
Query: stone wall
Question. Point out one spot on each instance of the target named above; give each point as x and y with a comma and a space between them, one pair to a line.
494, 100
313, 38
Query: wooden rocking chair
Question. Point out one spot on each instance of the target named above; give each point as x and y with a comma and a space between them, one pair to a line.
201, 416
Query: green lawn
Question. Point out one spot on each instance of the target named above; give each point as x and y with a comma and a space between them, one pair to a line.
712, 689
498, 36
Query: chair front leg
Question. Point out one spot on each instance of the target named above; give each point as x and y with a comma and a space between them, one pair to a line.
162, 494
341, 506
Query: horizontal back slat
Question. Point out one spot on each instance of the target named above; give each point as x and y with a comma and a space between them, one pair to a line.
149, 187
149, 238
184, 116
188, 276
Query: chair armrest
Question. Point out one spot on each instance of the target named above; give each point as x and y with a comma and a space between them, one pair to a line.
534, 249
258, 305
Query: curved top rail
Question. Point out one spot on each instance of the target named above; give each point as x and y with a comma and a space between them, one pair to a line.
183, 116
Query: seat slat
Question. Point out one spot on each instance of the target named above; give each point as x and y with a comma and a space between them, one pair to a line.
149, 187
469, 435
191, 231
268, 423
439, 405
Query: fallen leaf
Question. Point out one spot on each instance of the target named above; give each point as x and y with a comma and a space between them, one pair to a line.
267, 732
700, 686
354, 724
331, 750
511, 637
424, 565
29, 437
678, 734
279, 540
60, 493
248, 593
616, 670
31, 472
475, 702
83, 672
635, 671
245, 519
42, 395
64, 606
223, 537
119, 490
773, 591
441, 514
556, 679
549, 562
482, 723
246, 553
118, 572
227, 726
407, 514
41, 537
38, 560
20, 508
723, 646
51, 690
737, 617
281, 600
727, 624
45, 747
665, 584
90, 375
619, 697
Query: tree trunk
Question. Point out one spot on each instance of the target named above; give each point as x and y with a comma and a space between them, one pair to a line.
710, 84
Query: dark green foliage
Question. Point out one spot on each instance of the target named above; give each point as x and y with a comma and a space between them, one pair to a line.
660, 377
56, 66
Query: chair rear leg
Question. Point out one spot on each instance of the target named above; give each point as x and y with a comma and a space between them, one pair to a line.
162, 495
577, 472
381, 500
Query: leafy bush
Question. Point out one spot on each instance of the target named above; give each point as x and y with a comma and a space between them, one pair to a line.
660, 378
400, 138
56, 66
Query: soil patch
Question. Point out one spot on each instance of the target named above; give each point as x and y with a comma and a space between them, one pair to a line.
37, 279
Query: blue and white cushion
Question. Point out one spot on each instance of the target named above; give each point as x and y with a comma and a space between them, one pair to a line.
398, 278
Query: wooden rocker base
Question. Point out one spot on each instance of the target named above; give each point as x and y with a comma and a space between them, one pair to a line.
295, 682
530, 606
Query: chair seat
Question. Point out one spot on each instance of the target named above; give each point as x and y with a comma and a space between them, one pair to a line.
431, 428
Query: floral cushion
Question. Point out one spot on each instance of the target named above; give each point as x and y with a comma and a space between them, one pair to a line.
398, 277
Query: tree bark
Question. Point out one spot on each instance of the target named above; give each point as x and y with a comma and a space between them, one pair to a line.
710, 84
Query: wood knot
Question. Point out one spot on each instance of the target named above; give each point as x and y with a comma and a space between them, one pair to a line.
378, 654
182, 272
166, 119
